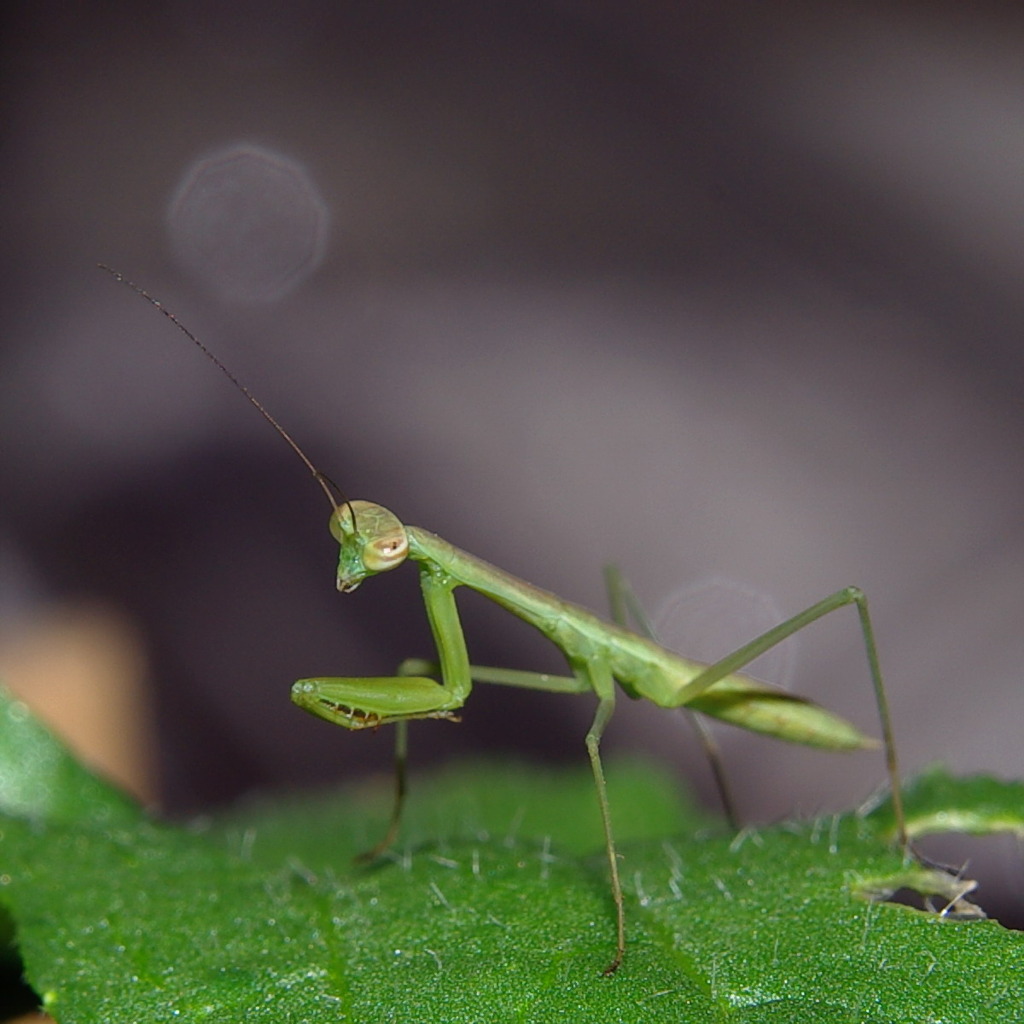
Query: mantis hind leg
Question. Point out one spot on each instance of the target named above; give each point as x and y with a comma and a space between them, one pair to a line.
624, 607
748, 652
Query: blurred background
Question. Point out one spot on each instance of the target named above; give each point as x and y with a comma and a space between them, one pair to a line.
727, 294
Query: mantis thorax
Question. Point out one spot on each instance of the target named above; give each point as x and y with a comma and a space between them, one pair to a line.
372, 540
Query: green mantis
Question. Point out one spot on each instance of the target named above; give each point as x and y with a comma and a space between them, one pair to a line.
602, 656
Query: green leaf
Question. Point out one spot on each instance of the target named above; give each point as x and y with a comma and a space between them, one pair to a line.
495, 907
40, 779
936, 802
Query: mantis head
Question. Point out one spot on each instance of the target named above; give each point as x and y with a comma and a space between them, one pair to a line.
372, 540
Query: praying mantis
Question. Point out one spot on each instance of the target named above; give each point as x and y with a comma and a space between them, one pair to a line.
373, 540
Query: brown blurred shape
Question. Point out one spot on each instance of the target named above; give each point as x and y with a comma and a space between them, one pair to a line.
82, 669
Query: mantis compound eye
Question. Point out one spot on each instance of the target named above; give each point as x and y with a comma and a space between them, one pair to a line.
385, 553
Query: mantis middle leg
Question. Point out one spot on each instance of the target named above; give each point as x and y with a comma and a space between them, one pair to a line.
742, 656
624, 605
596, 675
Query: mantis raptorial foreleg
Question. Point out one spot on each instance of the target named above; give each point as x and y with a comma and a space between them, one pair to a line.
373, 540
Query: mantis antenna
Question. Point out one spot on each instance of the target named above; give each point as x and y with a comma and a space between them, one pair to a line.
326, 484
